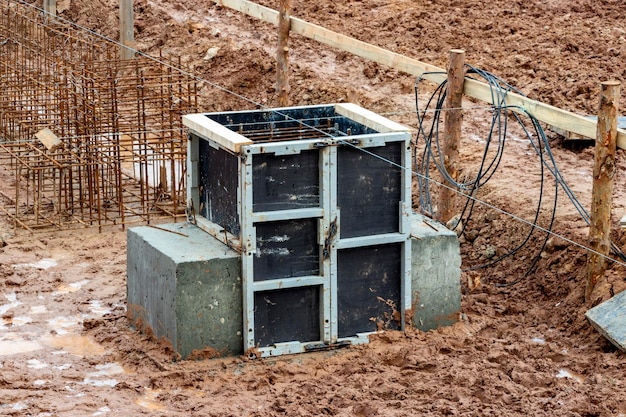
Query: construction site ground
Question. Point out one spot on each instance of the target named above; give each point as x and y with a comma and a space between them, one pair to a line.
522, 345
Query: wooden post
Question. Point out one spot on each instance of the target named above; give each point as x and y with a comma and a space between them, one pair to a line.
282, 57
50, 6
602, 193
453, 117
127, 29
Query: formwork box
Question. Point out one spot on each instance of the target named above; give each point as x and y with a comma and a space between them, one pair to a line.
317, 200
185, 289
435, 274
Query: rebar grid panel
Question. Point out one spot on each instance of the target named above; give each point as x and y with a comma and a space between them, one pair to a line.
120, 153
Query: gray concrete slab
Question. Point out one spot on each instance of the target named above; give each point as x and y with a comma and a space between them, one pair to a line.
185, 290
609, 318
436, 274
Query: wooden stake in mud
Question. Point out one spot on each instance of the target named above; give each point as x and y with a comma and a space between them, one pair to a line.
127, 29
603, 172
50, 6
453, 117
282, 57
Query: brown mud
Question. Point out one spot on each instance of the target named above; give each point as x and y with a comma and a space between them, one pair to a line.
522, 345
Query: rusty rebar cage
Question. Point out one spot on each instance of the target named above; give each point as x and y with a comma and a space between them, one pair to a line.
116, 147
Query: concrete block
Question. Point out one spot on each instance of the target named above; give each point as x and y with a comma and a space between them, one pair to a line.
609, 318
185, 288
435, 274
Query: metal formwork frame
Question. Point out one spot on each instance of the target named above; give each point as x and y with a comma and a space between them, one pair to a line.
329, 239
326, 213
249, 239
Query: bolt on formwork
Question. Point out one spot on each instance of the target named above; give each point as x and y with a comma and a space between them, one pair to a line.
92, 140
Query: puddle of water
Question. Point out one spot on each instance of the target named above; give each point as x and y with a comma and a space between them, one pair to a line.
102, 411
192, 392
149, 400
69, 288
108, 369
111, 368
44, 263
14, 321
97, 308
38, 310
12, 299
13, 347
100, 382
76, 344
564, 373
18, 406
36, 364
61, 323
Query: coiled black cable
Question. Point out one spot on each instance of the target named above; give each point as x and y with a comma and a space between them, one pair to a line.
489, 164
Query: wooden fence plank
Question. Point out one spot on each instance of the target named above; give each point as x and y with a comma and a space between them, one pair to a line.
546, 113
127, 29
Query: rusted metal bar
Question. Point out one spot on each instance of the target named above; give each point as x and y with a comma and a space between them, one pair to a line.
61, 77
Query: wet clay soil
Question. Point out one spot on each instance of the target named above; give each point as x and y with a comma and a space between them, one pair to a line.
66, 348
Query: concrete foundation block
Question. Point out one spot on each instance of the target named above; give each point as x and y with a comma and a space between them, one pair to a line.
436, 274
609, 318
185, 288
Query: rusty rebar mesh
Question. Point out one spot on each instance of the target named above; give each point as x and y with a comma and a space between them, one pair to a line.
120, 153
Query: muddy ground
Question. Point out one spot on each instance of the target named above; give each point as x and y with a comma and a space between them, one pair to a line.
522, 346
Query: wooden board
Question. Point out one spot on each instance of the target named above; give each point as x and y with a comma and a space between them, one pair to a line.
369, 118
218, 182
369, 190
287, 315
284, 182
48, 139
621, 124
368, 289
210, 129
286, 250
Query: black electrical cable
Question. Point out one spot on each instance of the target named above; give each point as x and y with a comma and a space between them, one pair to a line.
488, 166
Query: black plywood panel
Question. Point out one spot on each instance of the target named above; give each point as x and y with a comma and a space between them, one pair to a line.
368, 289
218, 182
286, 249
369, 190
287, 315
285, 182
